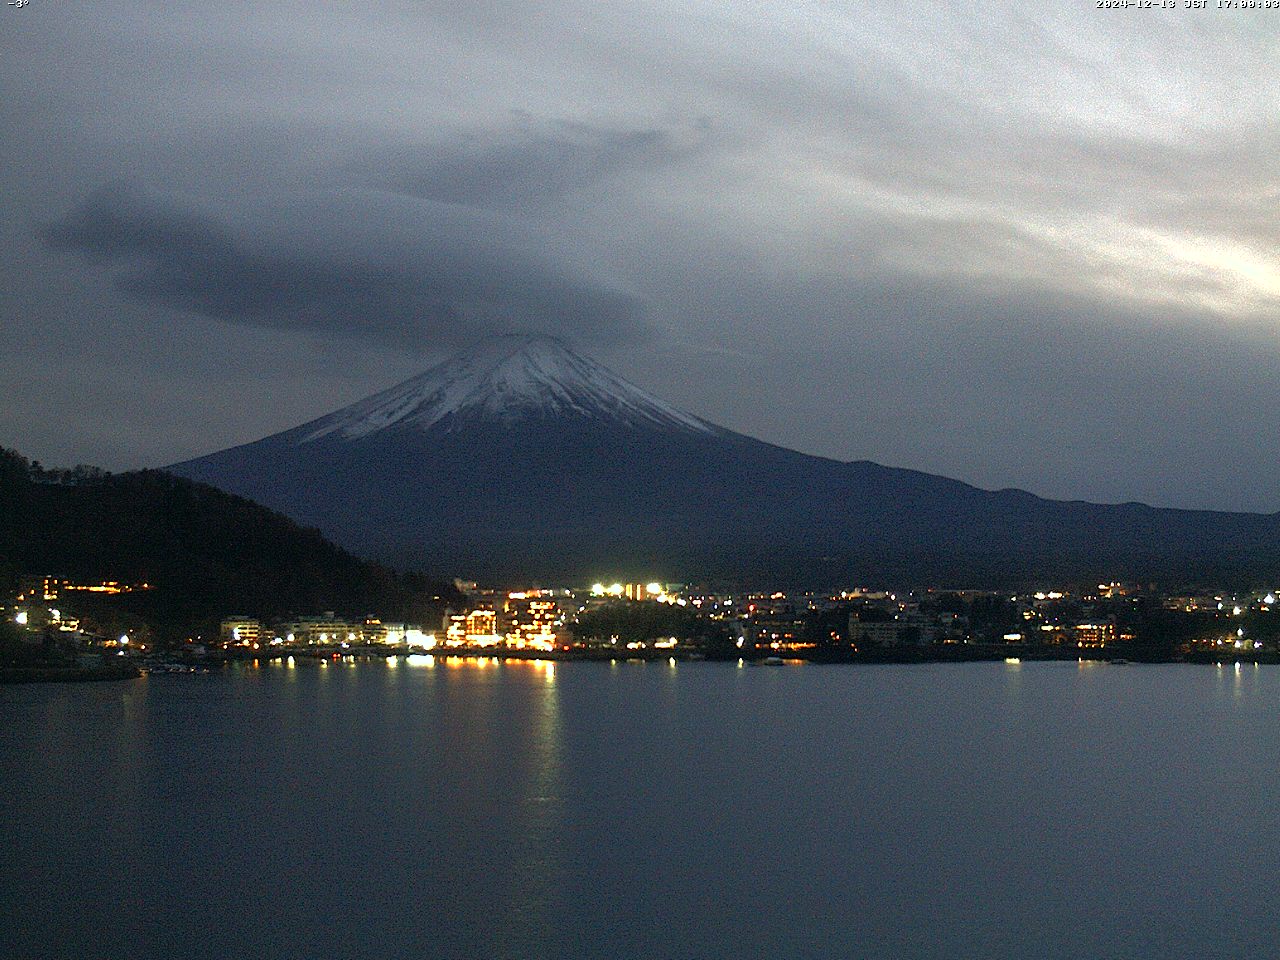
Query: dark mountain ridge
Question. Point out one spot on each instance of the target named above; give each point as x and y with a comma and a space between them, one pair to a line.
522, 459
208, 553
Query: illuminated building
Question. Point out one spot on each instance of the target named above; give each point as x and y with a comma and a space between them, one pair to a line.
414, 637
481, 623
662, 592
875, 634
240, 631
531, 620
482, 628
39, 587
1052, 633
375, 631
772, 622
1095, 634
455, 630
323, 630
477, 628
110, 587
49, 587
780, 630
632, 591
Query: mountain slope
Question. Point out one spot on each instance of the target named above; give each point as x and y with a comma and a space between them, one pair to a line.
209, 553
521, 458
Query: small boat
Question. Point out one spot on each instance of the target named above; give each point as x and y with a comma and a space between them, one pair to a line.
1119, 661
772, 662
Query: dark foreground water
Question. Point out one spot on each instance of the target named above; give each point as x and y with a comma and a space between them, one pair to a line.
472, 809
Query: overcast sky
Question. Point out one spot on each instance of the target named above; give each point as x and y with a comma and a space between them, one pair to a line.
1017, 247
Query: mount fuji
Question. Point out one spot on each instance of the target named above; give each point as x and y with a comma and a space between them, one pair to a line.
520, 459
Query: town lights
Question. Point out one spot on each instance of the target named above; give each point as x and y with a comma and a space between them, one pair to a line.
416, 638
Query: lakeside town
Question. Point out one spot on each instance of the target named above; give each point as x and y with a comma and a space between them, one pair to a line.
51, 629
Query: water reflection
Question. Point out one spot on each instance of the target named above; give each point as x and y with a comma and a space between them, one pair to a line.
539, 875
1237, 681
546, 669
503, 737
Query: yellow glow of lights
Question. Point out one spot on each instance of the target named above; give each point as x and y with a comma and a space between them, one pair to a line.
416, 638
654, 588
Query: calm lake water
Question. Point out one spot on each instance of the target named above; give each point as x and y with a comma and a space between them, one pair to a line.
475, 809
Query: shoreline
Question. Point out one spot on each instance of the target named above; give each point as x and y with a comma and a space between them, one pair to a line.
959, 653
123, 671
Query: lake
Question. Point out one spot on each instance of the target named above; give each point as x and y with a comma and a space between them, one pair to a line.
477, 809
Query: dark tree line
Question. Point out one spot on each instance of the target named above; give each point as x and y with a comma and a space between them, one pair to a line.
640, 621
208, 553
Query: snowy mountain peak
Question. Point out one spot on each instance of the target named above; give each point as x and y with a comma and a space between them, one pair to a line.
504, 379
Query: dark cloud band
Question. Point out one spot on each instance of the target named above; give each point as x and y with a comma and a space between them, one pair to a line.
404, 271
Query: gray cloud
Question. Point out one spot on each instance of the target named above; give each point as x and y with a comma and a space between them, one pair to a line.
532, 160
988, 242
409, 272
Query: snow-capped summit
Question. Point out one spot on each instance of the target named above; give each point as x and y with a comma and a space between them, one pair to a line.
506, 378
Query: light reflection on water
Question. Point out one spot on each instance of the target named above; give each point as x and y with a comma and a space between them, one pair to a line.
463, 807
